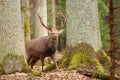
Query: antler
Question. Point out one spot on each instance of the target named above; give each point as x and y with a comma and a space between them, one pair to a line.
65, 20
47, 27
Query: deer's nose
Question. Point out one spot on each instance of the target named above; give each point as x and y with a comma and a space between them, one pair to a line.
55, 37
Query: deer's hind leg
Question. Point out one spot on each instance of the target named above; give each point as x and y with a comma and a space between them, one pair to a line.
33, 61
42, 61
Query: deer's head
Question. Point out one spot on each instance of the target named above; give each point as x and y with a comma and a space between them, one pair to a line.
54, 33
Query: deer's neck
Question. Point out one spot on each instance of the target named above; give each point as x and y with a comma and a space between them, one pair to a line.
52, 43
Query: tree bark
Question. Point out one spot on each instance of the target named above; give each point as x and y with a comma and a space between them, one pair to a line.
41, 9
26, 18
53, 14
82, 23
12, 47
112, 39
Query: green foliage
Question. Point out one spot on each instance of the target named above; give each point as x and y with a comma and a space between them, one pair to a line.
61, 5
60, 8
103, 8
116, 3
103, 11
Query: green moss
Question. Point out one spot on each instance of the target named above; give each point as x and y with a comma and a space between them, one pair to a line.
81, 55
103, 76
50, 67
82, 59
94, 62
77, 59
38, 63
13, 63
26, 68
26, 27
36, 73
64, 61
103, 57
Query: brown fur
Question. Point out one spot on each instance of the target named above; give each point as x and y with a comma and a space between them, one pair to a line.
40, 48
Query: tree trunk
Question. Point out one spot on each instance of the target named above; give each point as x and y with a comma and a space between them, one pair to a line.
12, 48
53, 14
82, 24
112, 41
41, 9
61, 43
26, 18
83, 37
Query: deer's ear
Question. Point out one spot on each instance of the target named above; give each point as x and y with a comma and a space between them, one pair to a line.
60, 31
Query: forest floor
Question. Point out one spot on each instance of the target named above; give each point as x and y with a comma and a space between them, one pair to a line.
56, 75
51, 75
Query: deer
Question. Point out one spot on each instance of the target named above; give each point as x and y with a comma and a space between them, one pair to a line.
46, 46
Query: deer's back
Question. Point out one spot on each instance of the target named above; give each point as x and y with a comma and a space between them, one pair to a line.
39, 47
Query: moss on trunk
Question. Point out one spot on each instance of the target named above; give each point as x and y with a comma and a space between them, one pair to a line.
81, 55
26, 28
13, 63
103, 58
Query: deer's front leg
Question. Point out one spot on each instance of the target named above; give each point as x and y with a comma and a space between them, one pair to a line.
52, 57
42, 61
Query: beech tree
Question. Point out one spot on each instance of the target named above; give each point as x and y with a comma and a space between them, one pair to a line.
12, 47
83, 23
26, 18
53, 12
39, 7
